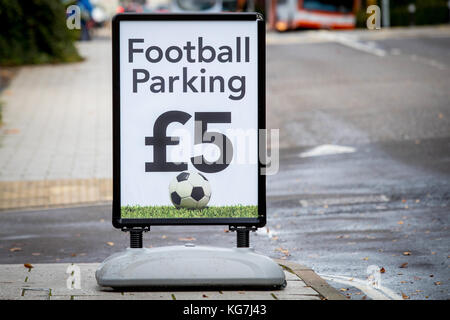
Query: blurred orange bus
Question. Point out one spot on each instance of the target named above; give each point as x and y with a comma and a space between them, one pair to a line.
314, 14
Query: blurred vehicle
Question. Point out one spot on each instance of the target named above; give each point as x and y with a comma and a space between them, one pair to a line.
137, 6
99, 15
206, 6
314, 14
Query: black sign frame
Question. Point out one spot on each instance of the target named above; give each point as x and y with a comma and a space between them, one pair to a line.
117, 220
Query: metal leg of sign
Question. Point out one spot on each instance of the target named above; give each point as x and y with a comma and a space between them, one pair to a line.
136, 238
242, 235
190, 266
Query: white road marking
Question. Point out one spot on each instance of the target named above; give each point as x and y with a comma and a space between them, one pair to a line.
346, 39
381, 293
325, 150
430, 62
354, 43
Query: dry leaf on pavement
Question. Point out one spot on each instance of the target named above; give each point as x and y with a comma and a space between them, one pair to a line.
382, 270
28, 265
15, 249
404, 296
407, 253
187, 239
110, 243
404, 265
283, 251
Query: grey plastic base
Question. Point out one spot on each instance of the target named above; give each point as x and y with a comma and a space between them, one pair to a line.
189, 266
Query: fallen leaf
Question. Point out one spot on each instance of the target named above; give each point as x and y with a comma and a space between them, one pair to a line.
364, 298
382, 270
403, 200
15, 249
404, 296
28, 265
343, 289
73, 254
366, 258
11, 131
400, 222
438, 283
226, 230
187, 239
283, 251
110, 243
432, 252
404, 265
407, 253
204, 296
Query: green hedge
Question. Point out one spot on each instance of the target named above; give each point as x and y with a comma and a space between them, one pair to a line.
34, 31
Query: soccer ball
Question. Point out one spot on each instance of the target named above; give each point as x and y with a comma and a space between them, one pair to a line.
190, 190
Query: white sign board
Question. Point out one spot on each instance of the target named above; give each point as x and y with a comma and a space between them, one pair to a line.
187, 111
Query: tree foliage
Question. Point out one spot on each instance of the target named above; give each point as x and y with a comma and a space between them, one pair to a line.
34, 31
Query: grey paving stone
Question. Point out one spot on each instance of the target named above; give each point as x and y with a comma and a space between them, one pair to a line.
49, 281
67, 110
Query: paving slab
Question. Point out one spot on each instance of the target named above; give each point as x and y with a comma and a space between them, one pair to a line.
49, 282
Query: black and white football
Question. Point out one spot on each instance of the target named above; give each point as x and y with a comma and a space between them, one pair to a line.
190, 190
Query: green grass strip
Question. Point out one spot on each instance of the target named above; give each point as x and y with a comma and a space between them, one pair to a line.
167, 212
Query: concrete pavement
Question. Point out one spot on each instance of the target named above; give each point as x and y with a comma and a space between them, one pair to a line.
49, 282
56, 136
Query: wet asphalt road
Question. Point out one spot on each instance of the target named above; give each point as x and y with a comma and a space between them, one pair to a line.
385, 204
